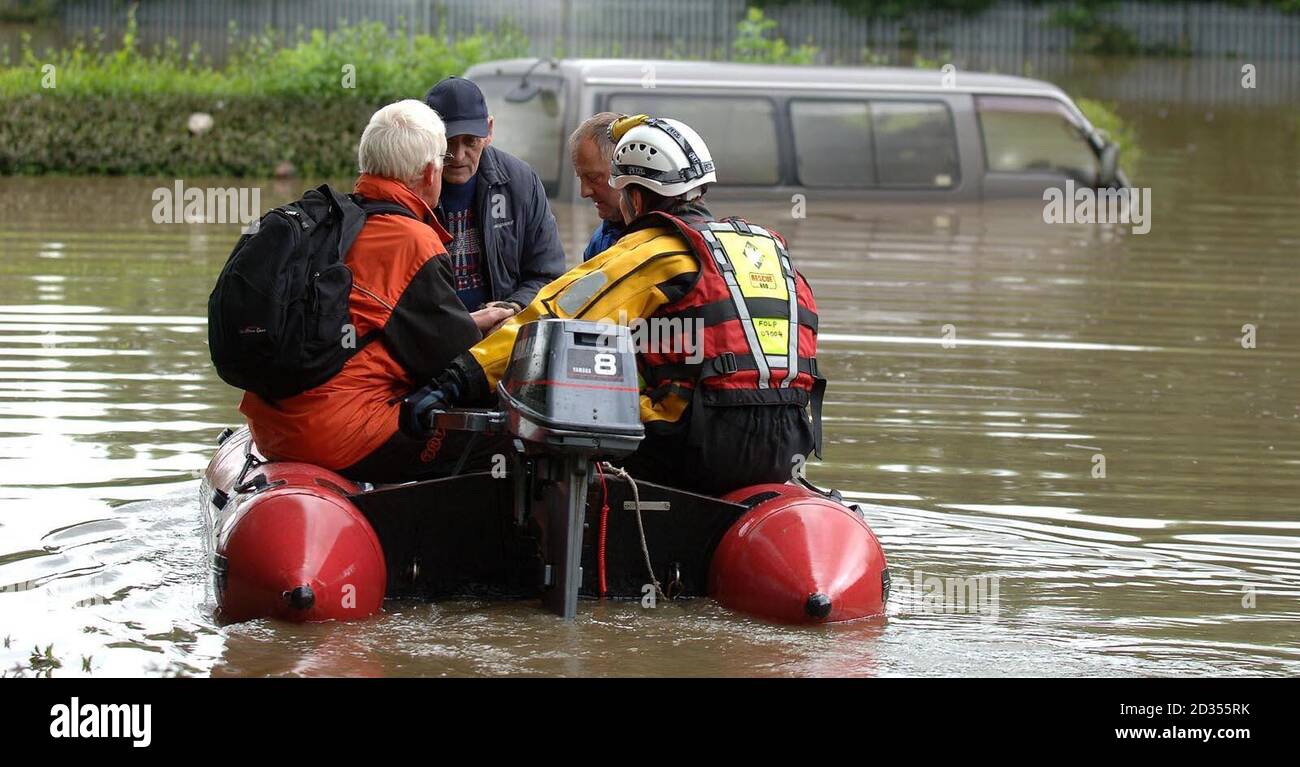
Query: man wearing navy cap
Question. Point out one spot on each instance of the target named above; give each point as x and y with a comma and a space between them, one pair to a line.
506, 245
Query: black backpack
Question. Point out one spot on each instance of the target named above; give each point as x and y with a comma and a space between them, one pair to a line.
278, 316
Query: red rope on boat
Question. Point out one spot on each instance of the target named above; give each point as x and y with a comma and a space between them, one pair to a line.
604, 525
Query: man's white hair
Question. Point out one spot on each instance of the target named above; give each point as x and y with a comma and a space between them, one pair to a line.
401, 139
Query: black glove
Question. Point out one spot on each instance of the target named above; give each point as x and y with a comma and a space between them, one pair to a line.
413, 419
416, 416
446, 391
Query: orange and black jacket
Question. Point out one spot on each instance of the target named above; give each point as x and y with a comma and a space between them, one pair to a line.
403, 287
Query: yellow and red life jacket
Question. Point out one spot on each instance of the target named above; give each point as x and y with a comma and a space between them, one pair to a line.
758, 320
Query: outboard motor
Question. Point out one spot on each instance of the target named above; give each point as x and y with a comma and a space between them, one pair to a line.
570, 395
571, 389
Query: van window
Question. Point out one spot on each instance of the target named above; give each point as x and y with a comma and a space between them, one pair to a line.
740, 132
858, 143
916, 144
1034, 135
832, 143
532, 130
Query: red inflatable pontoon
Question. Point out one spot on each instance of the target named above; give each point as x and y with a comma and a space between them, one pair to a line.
299, 543
799, 557
288, 543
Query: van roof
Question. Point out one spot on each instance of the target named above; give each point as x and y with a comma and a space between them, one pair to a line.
767, 77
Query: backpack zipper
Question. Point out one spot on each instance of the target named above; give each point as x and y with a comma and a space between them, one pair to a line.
295, 215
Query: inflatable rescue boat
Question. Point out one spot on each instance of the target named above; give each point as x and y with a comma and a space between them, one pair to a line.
296, 542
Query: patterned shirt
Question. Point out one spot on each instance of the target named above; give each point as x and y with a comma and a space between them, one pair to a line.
468, 266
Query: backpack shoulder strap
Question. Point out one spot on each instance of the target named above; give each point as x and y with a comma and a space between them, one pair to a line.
351, 217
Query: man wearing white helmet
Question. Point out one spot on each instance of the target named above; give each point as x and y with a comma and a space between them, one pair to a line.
726, 404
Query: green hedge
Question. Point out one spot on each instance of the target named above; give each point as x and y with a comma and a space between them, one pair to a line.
125, 111
147, 135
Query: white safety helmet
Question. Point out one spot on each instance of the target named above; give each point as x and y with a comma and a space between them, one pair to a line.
663, 155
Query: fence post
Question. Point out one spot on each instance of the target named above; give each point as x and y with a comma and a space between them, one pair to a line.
570, 30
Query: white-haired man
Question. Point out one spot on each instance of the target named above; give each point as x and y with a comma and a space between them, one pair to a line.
403, 304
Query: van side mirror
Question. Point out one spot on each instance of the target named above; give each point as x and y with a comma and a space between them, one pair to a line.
526, 91
550, 101
1108, 172
523, 93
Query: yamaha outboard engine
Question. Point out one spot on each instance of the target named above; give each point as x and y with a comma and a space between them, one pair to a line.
571, 389
570, 395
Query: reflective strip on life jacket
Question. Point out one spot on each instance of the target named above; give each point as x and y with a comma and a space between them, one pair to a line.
792, 331
738, 300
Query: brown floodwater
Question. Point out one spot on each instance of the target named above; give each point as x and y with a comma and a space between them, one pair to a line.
976, 450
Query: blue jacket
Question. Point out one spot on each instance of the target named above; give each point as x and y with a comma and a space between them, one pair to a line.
522, 248
605, 235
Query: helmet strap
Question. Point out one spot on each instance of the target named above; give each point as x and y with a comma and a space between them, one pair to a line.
697, 168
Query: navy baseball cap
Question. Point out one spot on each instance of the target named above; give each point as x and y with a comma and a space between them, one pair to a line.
460, 104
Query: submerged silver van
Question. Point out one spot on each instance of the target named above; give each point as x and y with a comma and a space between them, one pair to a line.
870, 133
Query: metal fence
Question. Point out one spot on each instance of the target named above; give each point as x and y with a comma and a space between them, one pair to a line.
1014, 36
